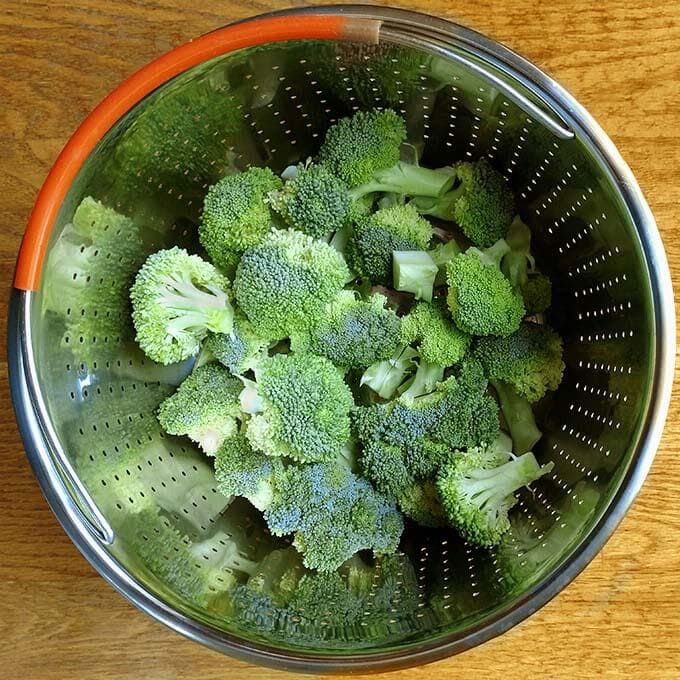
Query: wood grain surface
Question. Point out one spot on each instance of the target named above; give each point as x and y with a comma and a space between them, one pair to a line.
58, 618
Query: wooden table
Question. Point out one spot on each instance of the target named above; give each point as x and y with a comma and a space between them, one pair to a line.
59, 619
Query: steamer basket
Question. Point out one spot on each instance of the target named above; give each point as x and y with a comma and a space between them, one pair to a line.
263, 92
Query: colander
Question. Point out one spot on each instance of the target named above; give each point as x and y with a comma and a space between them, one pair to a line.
263, 92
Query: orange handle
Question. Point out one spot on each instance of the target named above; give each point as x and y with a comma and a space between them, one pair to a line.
140, 84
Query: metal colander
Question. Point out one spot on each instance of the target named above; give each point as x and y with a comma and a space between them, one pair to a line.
263, 92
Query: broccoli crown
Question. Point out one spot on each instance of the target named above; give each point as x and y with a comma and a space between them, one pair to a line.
241, 471
481, 300
176, 299
236, 215
482, 203
204, 407
530, 360
537, 293
356, 148
240, 350
439, 341
353, 333
286, 281
332, 514
477, 488
315, 201
377, 236
305, 408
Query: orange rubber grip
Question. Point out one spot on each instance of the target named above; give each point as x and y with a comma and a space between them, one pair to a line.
140, 84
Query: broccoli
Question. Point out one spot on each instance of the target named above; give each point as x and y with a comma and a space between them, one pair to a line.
438, 340
480, 298
384, 377
377, 236
332, 514
423, 382
537, 293
519, 418
205, 407
364, 151
176, 299
240, 350
530, 360
303, 408
284, 283
236, 215
441, 255
477, 487
314, 201
353, 333
481, 204
414, 271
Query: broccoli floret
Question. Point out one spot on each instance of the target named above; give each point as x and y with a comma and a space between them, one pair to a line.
236, 215
176, 299
353, 333
284, 284
385, 377
314, 201
530, 360
240, 350
438, 340
519, 418
481, 204
303, 408
441, 255
364, 151
205, 407
241, 471
414, 271
377, 236
332, 514
481, 300
477, 489
537, 293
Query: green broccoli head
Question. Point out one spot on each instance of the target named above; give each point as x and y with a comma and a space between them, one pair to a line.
438, 340
477, 489
481, 300
240, 350
176, 299
304, 405
205, 407
377, 236
356, 148
284, 284
314, 201
332, 514
236, 215
353, 333
537, 293
530, 360
482, 203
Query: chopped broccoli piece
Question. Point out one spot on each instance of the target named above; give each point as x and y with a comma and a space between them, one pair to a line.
176, 299
423, 382
315, 201
284, 284
353, 333
481, 300
530, 360
481, 204
439, 340
305, 407
414, 272
240, 350
332, 514
537, 293
519, 418
205, 407
236, 215
384, 377
441, 255
377, 236
477, 489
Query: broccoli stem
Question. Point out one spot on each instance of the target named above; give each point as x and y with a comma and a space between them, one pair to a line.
424, 381
415, 272
519, 417
384, 377
406, 179
494, 254
441, 255
250, 399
